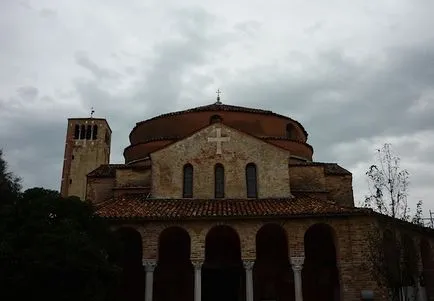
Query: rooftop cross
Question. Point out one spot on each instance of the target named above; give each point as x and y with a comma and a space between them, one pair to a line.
218, 97
92, 112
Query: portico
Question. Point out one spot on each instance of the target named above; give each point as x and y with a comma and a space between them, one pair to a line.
227, 269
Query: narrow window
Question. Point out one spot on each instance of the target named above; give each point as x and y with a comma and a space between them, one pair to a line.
77, 132
251, 181
82, 131
88, 132
95, 132
70, 181
188, 181
290, 131
219, 181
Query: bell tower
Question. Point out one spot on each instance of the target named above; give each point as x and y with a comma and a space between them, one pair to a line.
87, 147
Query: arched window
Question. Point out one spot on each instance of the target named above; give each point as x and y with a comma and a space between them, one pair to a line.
187, 191
82, 131
290, 131
251, 181
219, 181
77, 132
88, 132
215, 119
95, 132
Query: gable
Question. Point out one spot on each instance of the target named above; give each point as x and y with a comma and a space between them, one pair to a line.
220, 144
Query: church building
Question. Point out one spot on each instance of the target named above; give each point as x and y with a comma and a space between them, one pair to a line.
223, 202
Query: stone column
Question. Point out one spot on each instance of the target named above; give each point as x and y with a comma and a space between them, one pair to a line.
150, 265
197, 279
297, 266
248, 266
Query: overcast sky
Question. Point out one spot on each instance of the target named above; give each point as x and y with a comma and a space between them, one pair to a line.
356, 74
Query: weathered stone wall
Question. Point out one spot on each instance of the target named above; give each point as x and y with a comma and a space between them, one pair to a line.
99, 189
133, 177
271, 163
82, 156
340, 189
307, 178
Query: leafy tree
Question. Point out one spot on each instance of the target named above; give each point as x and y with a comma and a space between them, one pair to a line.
10, 185
54, 248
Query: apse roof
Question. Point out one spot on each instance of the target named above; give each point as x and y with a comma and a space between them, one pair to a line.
224, 107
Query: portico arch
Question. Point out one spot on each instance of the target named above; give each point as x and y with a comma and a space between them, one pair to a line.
222, 272
173, 276
320, 274
428, 268
132, 279
272, 273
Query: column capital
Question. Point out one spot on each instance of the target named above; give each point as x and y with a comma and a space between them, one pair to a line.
197, 263
297, 263
248, 264
149, 264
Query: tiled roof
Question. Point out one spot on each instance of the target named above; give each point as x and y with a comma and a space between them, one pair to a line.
105, 171
138, 207
329, 168
109, 170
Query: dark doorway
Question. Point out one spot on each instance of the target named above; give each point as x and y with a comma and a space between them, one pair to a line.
428, 268
272, 274
223, 276
173, 276
132, 280
320, 275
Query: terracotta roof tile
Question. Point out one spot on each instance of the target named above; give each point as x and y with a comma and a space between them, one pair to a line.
109, 170
105, 171
138, 207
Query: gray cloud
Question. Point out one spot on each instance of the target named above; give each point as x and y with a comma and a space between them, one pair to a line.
47, 13
356, 80
82, 59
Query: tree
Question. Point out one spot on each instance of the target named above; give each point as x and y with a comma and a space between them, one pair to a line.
54, 248
10, 185
388, 186
391, 254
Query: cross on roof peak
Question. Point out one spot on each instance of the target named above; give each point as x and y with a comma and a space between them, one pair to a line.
218, 97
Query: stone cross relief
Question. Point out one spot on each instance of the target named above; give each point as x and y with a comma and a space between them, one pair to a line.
219, 140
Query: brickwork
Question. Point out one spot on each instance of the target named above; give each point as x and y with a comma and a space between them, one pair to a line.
83, 155
340, 189
271, 163
130, 177
254, 137
99, 189
349, 238
308, 178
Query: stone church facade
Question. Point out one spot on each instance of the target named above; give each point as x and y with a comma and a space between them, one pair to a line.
223, 202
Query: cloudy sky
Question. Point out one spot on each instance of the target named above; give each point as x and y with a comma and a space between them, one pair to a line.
357, 74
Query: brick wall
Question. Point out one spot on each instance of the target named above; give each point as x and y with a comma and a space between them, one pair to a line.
99, 189
307, 178
133, 177
271, 162
349, 238
340, 189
